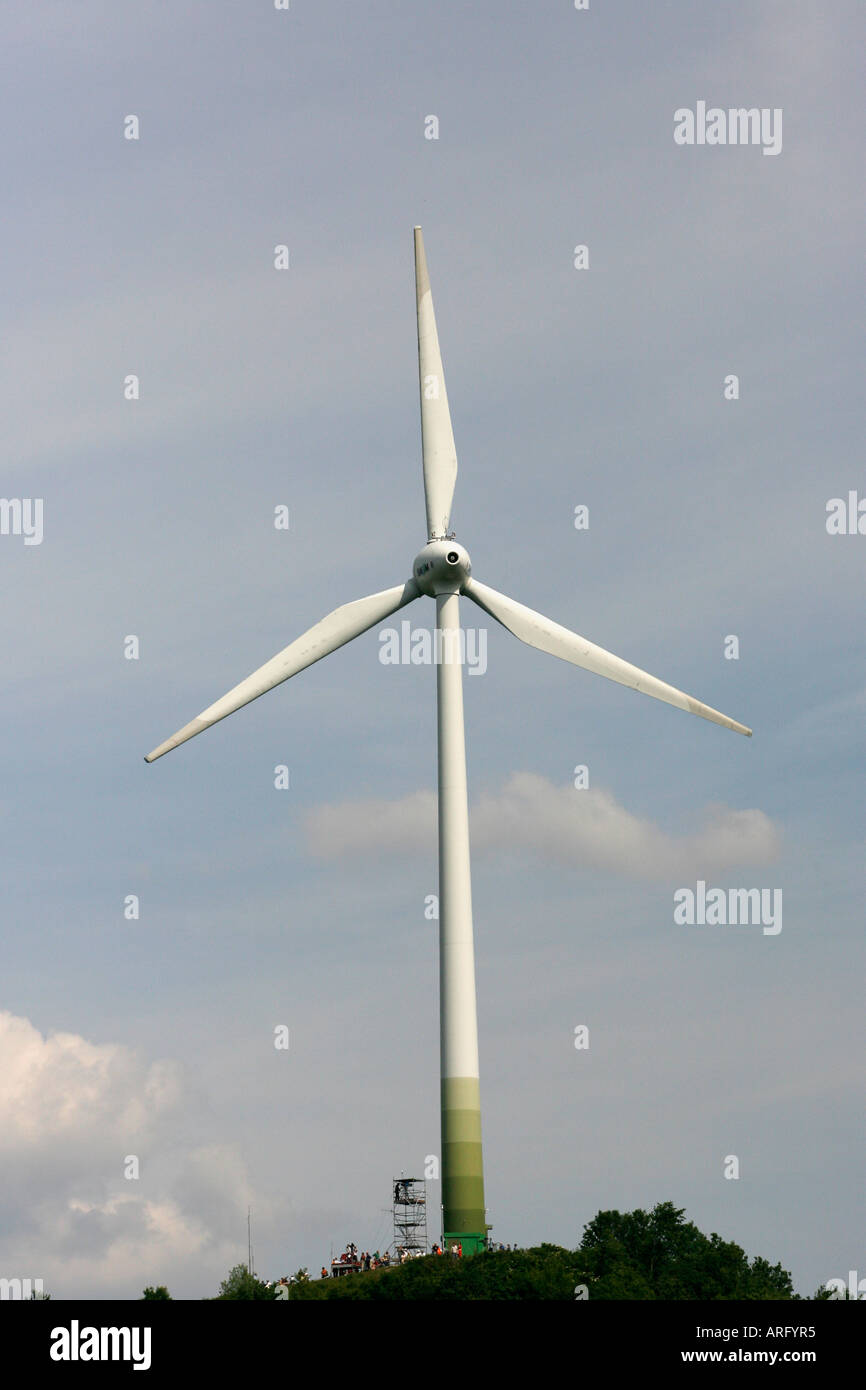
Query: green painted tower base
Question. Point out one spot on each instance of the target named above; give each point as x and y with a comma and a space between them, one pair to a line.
464, 1216
469, 1241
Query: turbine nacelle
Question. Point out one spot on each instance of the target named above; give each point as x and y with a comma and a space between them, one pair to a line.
442, 567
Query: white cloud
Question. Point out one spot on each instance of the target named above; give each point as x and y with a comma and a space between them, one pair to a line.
58, 1088
71, 1111
559, 824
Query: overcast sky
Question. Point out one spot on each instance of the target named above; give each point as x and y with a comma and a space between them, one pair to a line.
602, 386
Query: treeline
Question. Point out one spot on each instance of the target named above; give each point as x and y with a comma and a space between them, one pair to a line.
643, 1255
655, 1255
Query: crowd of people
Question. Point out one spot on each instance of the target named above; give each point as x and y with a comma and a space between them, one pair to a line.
353, 1261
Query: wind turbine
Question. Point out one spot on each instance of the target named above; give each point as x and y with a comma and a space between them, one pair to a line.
442, 570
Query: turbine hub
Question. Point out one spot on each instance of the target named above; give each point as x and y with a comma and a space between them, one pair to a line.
441, 567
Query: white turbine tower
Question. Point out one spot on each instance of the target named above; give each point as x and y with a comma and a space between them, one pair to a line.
442, 571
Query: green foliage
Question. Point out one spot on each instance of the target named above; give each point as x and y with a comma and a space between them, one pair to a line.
529, 1274
669, 1258
151, 1294
636, 1255
241, 1284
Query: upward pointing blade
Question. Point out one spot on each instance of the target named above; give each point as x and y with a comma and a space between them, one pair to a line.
337, 628
437, 437
538, 631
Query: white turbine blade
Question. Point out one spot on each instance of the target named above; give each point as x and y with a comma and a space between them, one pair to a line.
437, 437
339, 627
540, 632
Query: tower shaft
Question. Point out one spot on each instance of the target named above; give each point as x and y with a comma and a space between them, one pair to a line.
463, 1214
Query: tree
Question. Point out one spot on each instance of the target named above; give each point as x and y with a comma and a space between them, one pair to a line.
151, 1293
667, 1257
241, 1284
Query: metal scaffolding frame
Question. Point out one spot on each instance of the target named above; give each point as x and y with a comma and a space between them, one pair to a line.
410, 1215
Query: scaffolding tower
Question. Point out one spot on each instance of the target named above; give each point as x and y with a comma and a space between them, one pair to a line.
410, 1216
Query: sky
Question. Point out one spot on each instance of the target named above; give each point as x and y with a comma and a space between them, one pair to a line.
159, 580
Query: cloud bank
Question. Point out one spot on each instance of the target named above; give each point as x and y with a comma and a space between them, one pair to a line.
71, 1114
561, 825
